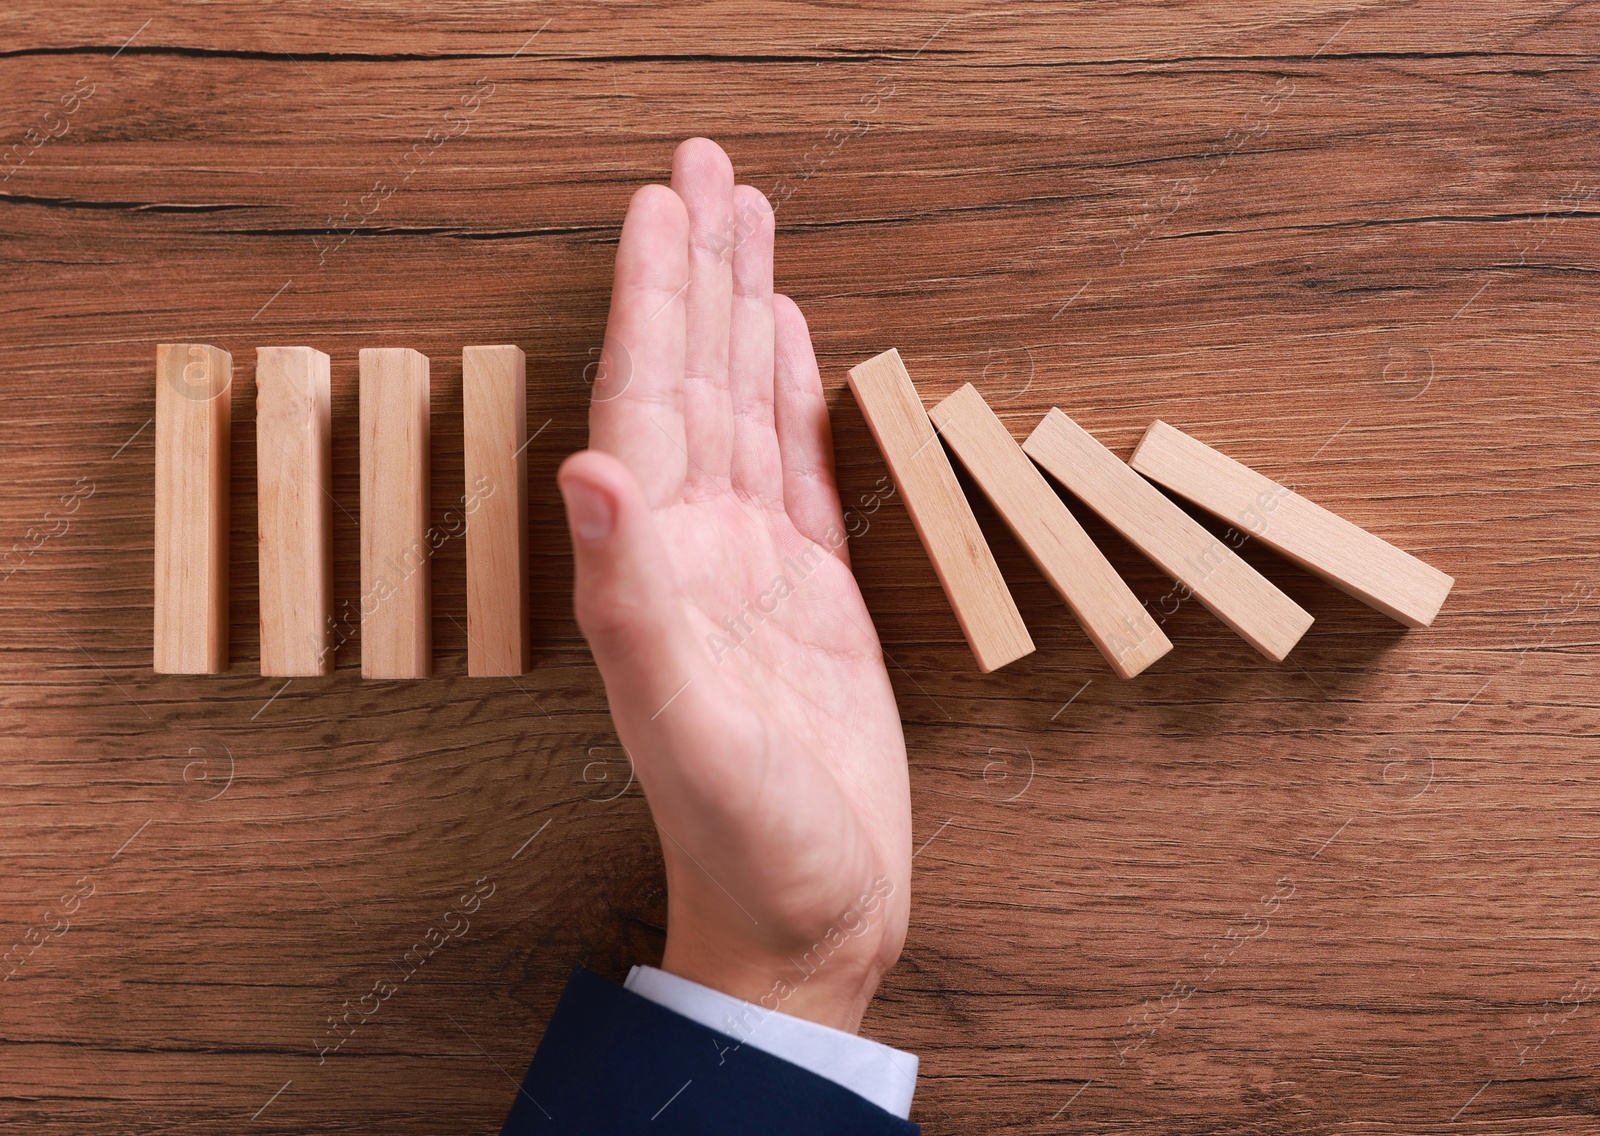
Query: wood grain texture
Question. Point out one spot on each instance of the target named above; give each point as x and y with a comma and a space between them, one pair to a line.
194, 399
494, 395
396, 540
1103, 603
955, 545
1209, 570
294, 506
1349, 557
1352, 246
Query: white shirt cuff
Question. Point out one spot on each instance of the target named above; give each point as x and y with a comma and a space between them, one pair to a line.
886, 1077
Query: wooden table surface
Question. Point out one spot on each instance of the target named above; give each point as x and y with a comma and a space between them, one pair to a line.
1351, 244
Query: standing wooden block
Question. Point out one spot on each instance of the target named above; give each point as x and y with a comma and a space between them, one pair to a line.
1229, 588
1112, 615
396, 626
494, 395
294, 458
943, 519
194, 414
1347, 556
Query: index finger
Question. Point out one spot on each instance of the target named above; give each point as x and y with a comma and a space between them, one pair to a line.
636, 409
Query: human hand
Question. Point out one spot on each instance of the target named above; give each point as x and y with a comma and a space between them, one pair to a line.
742, 669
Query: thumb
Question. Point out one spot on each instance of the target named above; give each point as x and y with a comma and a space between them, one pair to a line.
624, 595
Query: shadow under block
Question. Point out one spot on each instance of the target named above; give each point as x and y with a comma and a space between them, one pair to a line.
194, 414
1103, 603
1344, 554
396, 630
494, 396
294, 457
943, 519
1229, 588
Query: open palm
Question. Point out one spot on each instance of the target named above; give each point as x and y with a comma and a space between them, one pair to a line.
741, 666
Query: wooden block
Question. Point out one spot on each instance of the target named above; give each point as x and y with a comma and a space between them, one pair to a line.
494, 395
1346, 555
1112, 615
943, 519
194, 414
1229, 588
396, 628
294, 458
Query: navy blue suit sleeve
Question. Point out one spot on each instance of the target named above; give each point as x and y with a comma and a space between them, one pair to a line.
612, 1062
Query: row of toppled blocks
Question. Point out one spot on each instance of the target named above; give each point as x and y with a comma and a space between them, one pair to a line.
1125, 496
299, 629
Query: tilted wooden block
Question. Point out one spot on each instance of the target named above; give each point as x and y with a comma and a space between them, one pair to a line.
1110, 613
396, 630
1346, 555
943, 519
1229, 588
494, 400
294, 458
194, 414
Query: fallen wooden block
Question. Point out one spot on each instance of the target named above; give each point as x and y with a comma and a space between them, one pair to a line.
194, 414
1344, 554
396, 629
943, 519
294, 458
1229, 588
494, 399
1110, 613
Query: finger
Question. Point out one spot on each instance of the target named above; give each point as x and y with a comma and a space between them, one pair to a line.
626, 602
757, 468
703, 177
805, 441
636, 412
669, 704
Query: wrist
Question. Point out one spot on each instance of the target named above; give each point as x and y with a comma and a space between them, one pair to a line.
830, 987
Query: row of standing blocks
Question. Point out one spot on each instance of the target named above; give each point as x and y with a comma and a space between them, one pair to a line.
1125, 495
299, 634
293, 457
